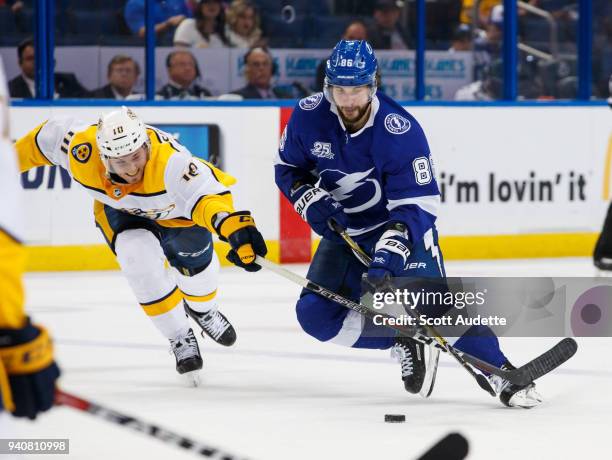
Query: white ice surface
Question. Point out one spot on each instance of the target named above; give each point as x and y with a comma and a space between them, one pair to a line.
279, 394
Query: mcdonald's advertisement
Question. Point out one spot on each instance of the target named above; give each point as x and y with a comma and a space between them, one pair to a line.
521, 170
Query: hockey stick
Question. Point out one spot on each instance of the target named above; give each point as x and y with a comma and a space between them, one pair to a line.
523, 375
360, 308
366, 260
453, 446
155, 431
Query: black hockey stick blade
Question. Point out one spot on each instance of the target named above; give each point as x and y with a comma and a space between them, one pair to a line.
534, 369
453, 446
547, 361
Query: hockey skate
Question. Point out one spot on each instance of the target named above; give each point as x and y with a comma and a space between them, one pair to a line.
418, 376
603, 266
187, 354
512, 395
215, 325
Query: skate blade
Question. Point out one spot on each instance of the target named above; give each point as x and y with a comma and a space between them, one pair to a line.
192, 379
526, 399
430, 372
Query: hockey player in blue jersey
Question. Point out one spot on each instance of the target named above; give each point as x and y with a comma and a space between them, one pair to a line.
356, 156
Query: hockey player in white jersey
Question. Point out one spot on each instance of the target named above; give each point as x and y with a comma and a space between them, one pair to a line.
27, 368
155, 203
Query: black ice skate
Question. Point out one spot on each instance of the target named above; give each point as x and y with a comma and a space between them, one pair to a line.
411, 356
216, 326
603, 263
187, 353
513, 395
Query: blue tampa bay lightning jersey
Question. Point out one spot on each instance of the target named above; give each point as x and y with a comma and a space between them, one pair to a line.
379, 174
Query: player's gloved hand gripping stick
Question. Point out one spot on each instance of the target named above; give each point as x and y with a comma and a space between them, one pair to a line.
317, 207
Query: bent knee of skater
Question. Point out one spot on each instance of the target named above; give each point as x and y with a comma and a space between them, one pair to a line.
316, 317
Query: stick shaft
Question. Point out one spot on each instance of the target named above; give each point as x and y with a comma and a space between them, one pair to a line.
133, 423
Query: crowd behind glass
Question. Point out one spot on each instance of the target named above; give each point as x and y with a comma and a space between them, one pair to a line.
546, 70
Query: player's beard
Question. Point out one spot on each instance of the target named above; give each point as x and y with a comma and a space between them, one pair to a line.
350, 122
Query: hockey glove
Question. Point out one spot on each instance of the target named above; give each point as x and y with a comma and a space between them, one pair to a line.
27, 355
390, 256
316, 206
238, 229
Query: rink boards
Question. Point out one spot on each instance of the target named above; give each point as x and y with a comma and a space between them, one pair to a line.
515, 181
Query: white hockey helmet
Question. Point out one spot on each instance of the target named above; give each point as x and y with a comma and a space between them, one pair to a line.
120, 133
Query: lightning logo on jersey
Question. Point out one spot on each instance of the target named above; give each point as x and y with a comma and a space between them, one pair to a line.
356, 191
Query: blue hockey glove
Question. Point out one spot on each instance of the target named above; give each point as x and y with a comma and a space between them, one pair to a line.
316, 206
27, 356
390, 256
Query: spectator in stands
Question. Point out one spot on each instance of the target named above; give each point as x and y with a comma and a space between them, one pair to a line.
183, 73
484, 11
206, 30
167, 15
488, 45
462, 39
16, 5
122, 74
243, 25
490, 86
356, 30
386, 32
23, 86
258, 71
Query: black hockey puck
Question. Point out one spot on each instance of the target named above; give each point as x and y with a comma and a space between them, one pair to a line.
394, 418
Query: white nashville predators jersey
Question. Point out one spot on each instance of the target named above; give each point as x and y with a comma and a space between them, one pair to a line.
176, 185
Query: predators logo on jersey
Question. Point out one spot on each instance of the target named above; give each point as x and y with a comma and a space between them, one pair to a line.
153, 214
82, 152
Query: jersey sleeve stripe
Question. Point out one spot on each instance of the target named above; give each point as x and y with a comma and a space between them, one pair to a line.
428, 203
193, 208
212, 172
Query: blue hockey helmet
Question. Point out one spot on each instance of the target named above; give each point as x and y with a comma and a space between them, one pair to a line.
352, 63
